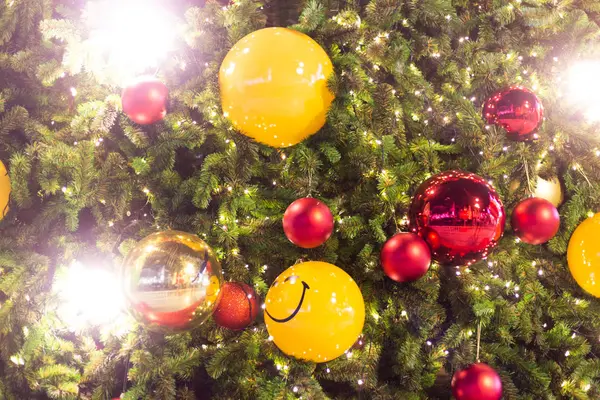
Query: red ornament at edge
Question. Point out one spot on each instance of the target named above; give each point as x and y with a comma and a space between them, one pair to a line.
144, 101
238, 306
535, 220
405, 257
307, 222
477, 382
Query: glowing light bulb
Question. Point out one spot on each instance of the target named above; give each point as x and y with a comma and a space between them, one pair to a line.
90, 295
126, 37
583, 85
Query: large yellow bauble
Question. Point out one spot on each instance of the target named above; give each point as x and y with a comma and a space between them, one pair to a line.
274, 86
583, 255
4, 190
314, 311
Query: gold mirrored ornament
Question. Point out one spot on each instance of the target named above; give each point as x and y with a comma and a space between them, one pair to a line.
172, 281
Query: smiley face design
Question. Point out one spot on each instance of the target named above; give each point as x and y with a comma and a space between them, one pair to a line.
314, 311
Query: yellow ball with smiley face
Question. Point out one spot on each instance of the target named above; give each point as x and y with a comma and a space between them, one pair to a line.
314, 311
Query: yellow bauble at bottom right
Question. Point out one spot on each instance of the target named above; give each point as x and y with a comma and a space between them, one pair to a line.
314, 311
583, 255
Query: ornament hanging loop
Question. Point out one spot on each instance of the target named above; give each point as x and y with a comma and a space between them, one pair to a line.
529, 185
478, 341
310, 175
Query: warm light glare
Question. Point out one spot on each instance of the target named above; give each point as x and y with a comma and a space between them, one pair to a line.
584, 88
88, 295
128, 37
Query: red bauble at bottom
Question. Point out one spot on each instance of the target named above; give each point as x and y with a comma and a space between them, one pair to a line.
405, 257
238, 306
535, 220
145, 100
307, 223
477, 382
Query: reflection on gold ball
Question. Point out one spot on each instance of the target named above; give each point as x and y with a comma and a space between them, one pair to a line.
549, 190
172, 281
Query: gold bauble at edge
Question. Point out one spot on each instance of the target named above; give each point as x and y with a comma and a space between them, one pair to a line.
4, 190
549, 190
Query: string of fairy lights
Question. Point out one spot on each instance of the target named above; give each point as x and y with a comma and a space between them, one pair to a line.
578, 90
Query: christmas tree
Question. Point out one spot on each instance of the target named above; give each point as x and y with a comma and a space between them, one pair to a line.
95, 167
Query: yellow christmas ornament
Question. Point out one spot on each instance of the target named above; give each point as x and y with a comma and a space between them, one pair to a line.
583, 255
4, 190
274, 86
314, 311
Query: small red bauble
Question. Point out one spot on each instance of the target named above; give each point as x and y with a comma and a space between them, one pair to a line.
145, 100
405, 257
477, 382
307, 223
517, 110
535, 220
238, 306
459, 215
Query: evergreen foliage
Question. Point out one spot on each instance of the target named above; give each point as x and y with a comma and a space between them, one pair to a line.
410, 78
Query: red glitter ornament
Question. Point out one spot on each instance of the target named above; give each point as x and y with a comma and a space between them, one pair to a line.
145, 100
405, 257
477, 382
459, 215
517, 110
238, 306
535, 220
307, 222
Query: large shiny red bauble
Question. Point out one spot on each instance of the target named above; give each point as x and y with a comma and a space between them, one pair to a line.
535, 220
145, 100
307, 222
238, 306
477, 382
517, 110
405, 257
459, 215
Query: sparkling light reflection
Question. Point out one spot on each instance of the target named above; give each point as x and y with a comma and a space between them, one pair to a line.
583, 88
127, 37
89, 296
